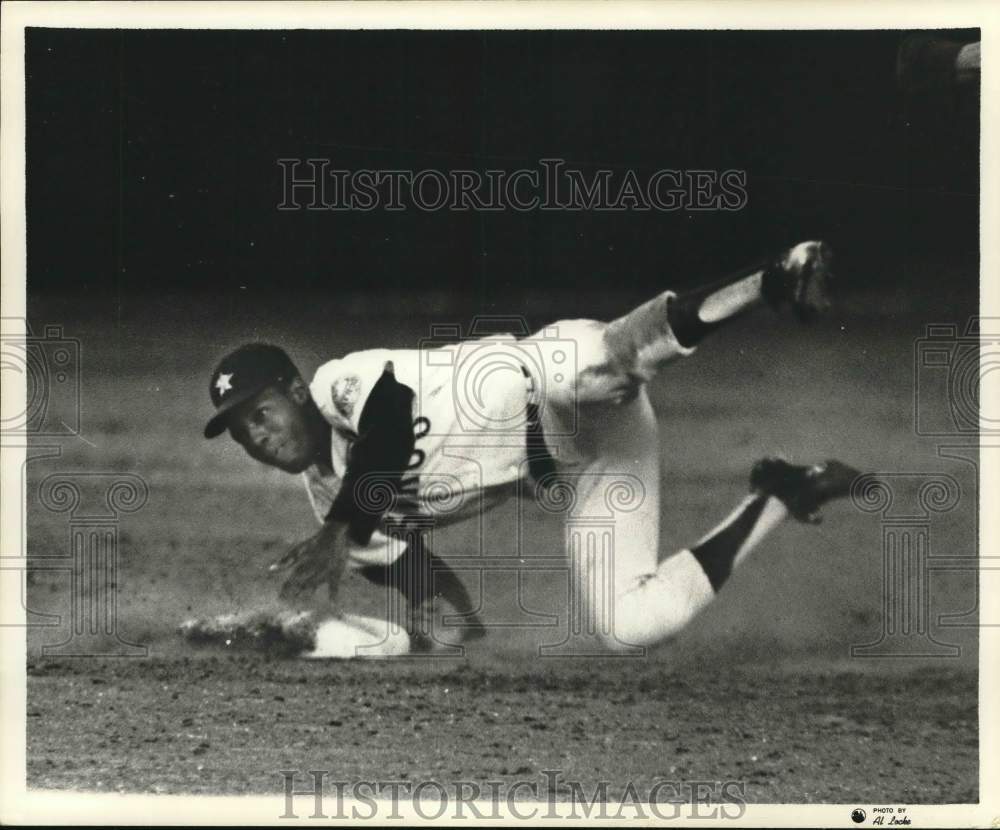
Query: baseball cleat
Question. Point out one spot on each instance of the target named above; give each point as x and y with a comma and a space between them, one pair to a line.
801, 278
469, 628
803, 489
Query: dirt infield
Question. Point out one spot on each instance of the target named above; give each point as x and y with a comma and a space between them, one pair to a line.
228, 725
760, 689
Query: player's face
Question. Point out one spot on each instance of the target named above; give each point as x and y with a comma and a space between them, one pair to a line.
274, 428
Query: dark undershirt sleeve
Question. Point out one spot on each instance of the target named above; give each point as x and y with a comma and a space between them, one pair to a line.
377, 459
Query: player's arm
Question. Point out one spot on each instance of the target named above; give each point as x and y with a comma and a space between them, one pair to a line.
375, 467
320, 558
378, 458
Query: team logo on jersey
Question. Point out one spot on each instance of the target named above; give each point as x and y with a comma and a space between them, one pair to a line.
345, 392
224, 383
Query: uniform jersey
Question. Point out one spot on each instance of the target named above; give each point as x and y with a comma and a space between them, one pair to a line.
469, 422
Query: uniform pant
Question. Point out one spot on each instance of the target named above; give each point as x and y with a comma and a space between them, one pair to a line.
602, 433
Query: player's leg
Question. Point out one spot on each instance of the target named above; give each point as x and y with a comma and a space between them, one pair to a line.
612, 360
672, 324
626, 596
423, 579
778, 490
602, 434
798, 277
609, 497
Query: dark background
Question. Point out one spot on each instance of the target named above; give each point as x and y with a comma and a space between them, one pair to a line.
151, 158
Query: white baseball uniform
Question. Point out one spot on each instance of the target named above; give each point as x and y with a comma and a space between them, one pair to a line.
471, 416
464, 464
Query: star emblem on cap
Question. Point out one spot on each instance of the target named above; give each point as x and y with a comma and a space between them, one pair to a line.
224, 383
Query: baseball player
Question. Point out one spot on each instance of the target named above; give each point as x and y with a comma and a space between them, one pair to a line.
388, 442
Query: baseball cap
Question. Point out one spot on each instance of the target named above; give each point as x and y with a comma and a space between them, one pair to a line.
242, 374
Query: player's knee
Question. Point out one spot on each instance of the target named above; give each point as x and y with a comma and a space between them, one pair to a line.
578, 368
635, 625
604, 374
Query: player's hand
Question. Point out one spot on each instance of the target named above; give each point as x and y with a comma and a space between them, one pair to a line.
319, 559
